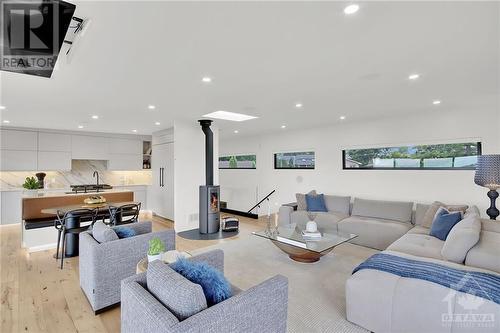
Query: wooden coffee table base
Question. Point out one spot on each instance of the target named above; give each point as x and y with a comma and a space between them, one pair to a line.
299, 254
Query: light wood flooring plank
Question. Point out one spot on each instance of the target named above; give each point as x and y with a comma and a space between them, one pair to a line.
36, 296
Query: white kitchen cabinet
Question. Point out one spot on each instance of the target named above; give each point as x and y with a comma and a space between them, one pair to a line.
54, 142
10, 207
89, 147
18, 140
54, 161
163, 137
141, 196
161, 192
124, 146
18, 160
125, 162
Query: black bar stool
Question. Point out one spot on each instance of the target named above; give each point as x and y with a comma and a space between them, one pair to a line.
70, 223
124, 214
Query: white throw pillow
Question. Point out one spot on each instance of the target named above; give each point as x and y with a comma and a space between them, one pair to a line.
464, 235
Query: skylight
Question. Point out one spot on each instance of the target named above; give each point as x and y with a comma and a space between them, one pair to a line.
231, 116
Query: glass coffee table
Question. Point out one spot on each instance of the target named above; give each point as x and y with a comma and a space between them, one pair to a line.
291, 241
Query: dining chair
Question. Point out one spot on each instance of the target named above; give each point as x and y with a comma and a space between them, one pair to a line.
70, 223
124, 214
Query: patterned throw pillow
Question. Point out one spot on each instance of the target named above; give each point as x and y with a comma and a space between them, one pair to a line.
301, 200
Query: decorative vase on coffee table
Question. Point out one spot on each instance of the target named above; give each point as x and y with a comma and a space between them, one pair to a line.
311, 226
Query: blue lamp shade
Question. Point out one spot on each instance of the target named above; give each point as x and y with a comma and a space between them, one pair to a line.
488, 171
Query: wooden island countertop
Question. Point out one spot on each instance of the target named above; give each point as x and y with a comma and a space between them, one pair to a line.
32, 206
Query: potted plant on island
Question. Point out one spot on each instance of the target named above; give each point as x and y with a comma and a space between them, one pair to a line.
156, 249
31, 185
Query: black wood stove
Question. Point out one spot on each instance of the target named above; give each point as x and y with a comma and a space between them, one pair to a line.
209, 194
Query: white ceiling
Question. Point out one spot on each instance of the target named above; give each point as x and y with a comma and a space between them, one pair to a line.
263, 58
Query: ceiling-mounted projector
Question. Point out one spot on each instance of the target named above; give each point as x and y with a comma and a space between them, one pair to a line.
32, 35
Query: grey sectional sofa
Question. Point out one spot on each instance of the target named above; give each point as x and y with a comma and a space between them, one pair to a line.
383, 302
377, 223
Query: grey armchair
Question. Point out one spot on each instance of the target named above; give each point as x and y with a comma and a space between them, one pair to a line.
262, 308
104, 265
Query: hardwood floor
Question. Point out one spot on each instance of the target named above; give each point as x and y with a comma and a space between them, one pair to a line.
36, 296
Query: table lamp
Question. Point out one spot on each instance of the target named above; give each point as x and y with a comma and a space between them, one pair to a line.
488, 175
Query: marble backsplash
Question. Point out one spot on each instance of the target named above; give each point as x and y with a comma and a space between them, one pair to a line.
81, 173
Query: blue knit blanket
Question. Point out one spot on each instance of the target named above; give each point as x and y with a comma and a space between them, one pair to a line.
480, 284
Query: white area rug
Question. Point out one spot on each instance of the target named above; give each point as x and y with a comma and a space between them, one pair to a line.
316, 300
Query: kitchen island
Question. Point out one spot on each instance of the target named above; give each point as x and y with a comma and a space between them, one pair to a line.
38, 227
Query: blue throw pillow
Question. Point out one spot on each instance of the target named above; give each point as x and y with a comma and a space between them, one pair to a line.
125, 232
215, 286
316, 203
444, 221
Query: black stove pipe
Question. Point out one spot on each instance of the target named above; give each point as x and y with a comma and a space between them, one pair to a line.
209, 150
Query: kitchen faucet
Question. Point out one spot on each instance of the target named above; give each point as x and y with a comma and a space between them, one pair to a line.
96, 174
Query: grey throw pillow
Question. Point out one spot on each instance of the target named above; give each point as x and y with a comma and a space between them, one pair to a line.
103, 233
429, 216
182, 297
301, 200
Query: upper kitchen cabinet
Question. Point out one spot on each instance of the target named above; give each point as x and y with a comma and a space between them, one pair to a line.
89, 147
124, 154
54, 161
124, 146
125, 162
18, 140
54, 152
18, 150
18, 160
54, 142
161, 137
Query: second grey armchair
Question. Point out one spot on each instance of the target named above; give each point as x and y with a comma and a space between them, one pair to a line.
260, 309
104, 265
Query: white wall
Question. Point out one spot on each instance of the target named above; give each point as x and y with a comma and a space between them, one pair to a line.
189, 172
450, 186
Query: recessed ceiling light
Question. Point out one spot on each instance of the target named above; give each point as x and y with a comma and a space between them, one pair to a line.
95, 117
6, 121
236, 131
414, 76
342, 117
157, 123
436, 102
134, 130
151, 107
351, 9
298, 105
283, 126
80, 126
226, 115
2, 107
206, 79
